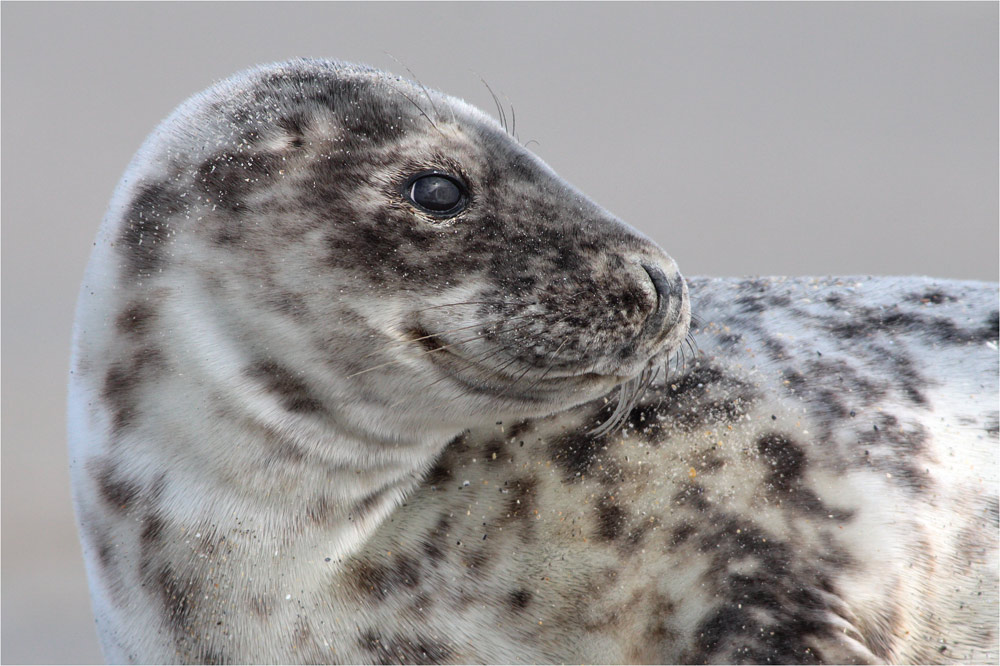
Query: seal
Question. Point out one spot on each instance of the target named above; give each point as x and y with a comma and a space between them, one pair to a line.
358, 378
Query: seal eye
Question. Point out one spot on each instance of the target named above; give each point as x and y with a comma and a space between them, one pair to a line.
436, 193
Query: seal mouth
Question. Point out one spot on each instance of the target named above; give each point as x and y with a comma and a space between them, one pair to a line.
480, 378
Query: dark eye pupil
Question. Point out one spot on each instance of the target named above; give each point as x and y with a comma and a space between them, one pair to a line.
439, 194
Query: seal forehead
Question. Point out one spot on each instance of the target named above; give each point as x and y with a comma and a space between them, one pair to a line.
357, 104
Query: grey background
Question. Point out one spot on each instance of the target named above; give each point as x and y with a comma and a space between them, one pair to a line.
744, 138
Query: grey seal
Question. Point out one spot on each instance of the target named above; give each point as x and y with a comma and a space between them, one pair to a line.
357, 378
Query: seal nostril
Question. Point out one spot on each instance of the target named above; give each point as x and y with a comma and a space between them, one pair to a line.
666, 303
662, 286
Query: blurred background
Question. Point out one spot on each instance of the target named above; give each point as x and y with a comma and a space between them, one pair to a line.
746, 139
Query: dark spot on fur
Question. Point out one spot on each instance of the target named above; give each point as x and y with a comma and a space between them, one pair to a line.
438, 475
869, 322
147, 226
368, 502
785, 458
750, 304
778, 301
294, 393
682, 533
435, 543
934, 296
422, 337
397, 649
991, 331
150, 544
518, 429
709, 462
134, 320
301, 631
772, 610
282, 448
703, 395
384, 580
290, 304
117, 492
105, 550
610, 519
521, 501
992, 425
644, 418
493, 450
295, 126
479, 561
228, 179
897, 449
108, 560
320, 511
519, 599
787, 462
691, 495
122, 382
179, 597
636, 536
576, 452
849, 330
728, 622
152, 530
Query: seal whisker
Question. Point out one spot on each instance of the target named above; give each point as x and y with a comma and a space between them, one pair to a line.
431, 351
528, 369
610, 424
654, 374
449, 305
513, 119
419, 83
552, 365
675, 360
487, 323
417, 106
628, 396
473, 363
500, 112
497, 370
549, 368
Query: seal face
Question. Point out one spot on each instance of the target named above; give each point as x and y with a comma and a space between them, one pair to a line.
343, 389
452, 270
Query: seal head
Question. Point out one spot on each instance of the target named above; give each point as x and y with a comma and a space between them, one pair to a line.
391, 248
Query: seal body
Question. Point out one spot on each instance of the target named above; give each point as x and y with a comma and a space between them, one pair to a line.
356, 378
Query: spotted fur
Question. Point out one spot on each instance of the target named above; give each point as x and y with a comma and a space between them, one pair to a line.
311, 423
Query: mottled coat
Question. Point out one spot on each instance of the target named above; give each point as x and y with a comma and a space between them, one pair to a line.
311, 421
